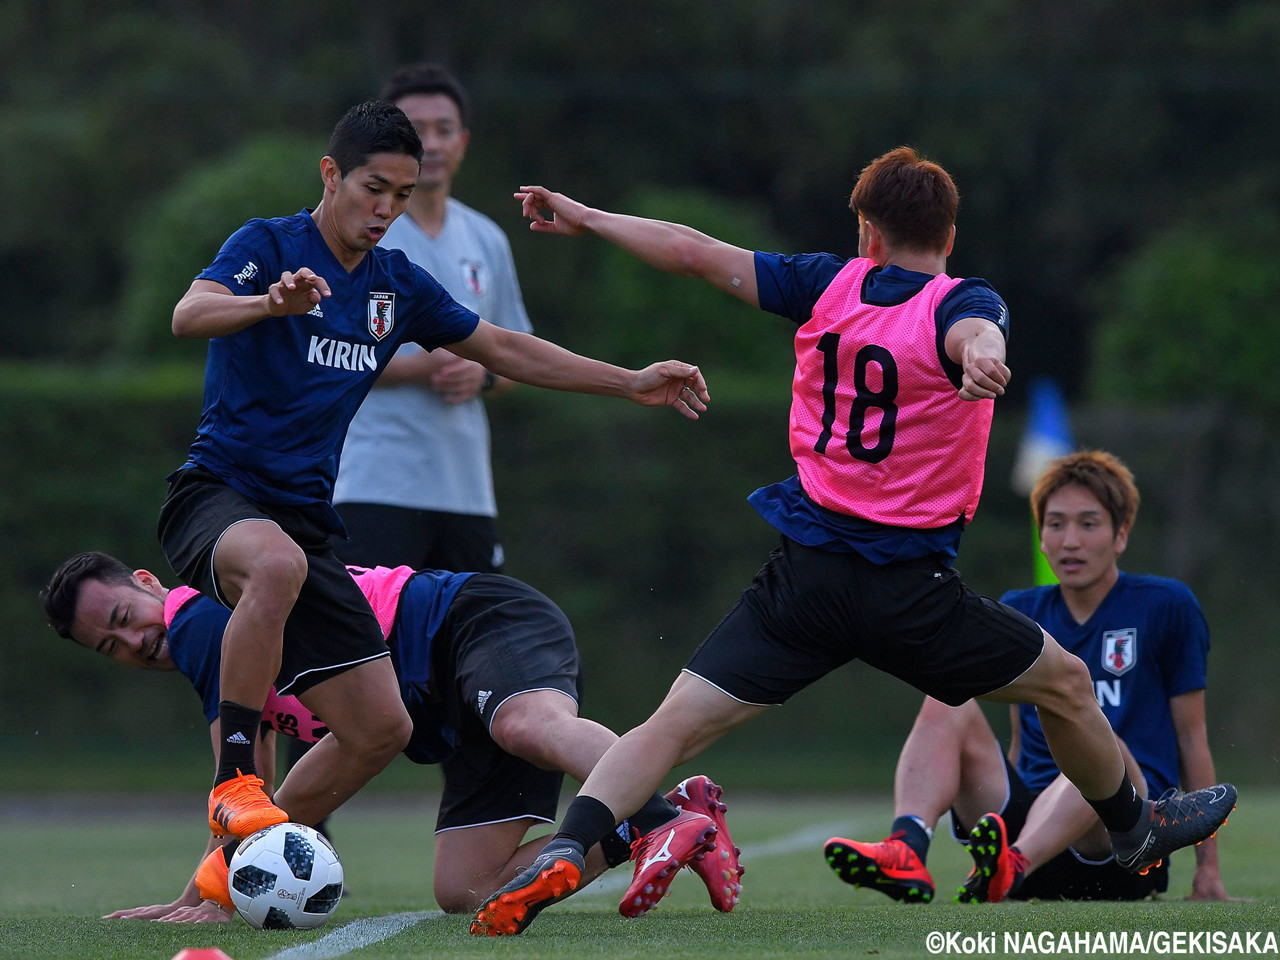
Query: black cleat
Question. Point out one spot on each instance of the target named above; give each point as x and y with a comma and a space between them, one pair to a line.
1175, 820
553, 875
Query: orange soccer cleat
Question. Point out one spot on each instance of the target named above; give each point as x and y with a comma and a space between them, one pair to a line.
240, 807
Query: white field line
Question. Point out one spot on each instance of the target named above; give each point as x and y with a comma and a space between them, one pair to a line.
356, 935
362, 933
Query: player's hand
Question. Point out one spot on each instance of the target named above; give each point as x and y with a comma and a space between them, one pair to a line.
985, 377
206, 912
457, 379
566, 215
672, 383
296, 293
156, 911
142, 913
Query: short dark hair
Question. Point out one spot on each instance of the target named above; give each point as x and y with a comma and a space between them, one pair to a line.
428, 78
62, 594
375, 126
912, 200
1102, 474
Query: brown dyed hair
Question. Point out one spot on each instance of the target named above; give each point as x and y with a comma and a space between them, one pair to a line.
1099, 472
913, 201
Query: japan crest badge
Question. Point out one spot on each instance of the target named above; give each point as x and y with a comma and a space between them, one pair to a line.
1119, 650
382, 314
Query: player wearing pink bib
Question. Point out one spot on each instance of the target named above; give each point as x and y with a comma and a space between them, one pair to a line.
897, 369
488, 672
893, 353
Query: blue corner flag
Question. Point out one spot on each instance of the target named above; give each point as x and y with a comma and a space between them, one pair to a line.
1046, 437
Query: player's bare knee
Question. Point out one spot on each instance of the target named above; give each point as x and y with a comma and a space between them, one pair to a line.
277, 576
944, 718
454, 897
532, 726
1078, 684
399, 733
381, 739
527, 737
1072, 691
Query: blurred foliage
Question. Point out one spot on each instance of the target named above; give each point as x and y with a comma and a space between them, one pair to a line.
181, 234
1077, 131
1116, 162
635, 521
1191, 315
643, 315
85, 459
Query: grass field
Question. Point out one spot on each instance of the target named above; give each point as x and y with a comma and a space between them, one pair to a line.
63, 864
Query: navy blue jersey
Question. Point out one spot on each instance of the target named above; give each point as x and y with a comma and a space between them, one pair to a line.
790, 286
280, 394
424, 601
1146, 642
195, 646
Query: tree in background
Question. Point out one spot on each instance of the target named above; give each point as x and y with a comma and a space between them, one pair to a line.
1190, 316
179, 233
636, 310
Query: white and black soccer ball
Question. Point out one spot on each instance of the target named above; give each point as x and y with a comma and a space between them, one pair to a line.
286, 876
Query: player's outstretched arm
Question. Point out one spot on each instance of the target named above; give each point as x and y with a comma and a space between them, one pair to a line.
671, 247
528, 359
1196, 772
208, 309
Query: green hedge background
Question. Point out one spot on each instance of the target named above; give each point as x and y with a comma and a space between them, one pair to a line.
636, 522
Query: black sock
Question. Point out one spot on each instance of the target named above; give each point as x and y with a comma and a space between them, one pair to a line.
656, 811
616, 844
586, 822
239, 727
1120, 811
915, 835
228, 850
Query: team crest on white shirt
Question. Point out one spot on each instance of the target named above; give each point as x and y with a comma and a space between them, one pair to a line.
1119, 650
474, 277
382, 314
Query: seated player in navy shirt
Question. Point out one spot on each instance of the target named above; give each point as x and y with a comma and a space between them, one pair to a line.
487, 668
1031, 834
301, 314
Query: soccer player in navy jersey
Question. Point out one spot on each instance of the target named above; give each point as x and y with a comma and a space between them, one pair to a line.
1031, 834
897, 369
489, 671
302, 313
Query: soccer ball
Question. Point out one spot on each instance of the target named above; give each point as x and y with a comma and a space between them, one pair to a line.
286, 876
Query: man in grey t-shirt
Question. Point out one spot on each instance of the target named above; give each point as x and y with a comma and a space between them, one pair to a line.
415, 485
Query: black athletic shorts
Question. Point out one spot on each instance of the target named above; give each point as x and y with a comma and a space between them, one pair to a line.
499, 638
331, 627
809, 611
1069, 876
379, 534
